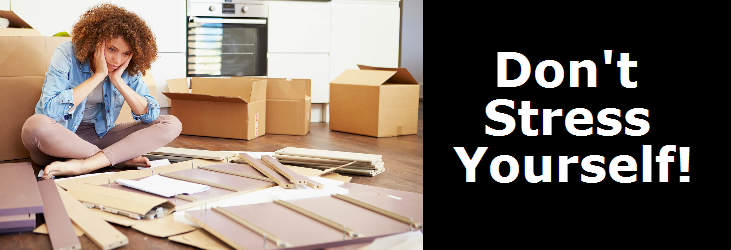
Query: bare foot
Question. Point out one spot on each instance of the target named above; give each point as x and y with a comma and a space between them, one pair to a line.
139, 161
59, 168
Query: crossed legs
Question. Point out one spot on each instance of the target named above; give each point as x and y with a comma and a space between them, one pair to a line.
64, 152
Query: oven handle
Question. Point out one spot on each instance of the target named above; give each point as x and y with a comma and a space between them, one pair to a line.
218, 20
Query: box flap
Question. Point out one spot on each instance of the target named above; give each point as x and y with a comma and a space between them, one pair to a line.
402, 75
178, 85
232, 87
200, 97
278, 89
15, 20
258, 91
364, 77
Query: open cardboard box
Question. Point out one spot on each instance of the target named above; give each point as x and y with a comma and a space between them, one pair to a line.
220, 107
24, 59
378, 102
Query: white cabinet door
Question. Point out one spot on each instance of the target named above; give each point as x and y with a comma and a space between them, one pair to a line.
363, 33
299, 26
168, 66
313, 66
5, 4
52, 16
166, 19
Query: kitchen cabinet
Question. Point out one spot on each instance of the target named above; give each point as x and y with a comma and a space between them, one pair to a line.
166, 19
299, 44
4, 4
313, 66
363, 32
299, 27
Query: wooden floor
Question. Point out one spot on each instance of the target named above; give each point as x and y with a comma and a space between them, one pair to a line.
403, 156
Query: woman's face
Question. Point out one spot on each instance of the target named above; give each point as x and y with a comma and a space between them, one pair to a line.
116, 53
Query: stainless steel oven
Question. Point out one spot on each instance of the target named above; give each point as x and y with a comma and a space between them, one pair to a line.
227, 38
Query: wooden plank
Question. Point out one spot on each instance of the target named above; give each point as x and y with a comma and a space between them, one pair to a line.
268, 172
99, 231
320, 219
20, 193
252, 227
193, 153
330, 154
319, 161
60, 229
284, 171
188, 179
380, 211
236, 173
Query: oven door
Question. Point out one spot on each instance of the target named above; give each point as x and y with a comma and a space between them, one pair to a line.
227, 47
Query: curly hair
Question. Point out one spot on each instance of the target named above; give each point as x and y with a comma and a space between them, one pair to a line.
106, 21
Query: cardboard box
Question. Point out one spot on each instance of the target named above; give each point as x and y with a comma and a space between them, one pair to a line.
378, 102
288, 106
125, 115
220, 107
24, 60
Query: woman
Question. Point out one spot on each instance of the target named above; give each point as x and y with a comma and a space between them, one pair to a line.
88, 80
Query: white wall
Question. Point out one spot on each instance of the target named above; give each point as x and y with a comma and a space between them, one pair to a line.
412, 40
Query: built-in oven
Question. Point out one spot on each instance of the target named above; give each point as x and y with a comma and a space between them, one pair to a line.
227, 38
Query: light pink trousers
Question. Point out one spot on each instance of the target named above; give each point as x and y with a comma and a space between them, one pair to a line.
49, 141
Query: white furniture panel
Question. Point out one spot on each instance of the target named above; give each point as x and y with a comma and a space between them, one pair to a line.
167, 66
166, 19
363, 33
312, 66
51, 16
299, 26
4, 4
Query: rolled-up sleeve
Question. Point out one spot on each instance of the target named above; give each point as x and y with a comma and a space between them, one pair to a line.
57, 94
153, 108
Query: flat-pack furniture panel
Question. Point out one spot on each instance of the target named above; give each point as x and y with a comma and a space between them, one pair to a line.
20, 193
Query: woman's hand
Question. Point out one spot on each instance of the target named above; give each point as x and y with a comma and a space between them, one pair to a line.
100, 61
117, 74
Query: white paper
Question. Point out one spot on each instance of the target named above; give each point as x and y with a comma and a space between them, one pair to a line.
163, 186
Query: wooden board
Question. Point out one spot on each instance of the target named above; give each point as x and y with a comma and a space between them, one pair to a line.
286, 224
193, 153
293, 177
201, 239
60, 229
20, 193
42, 229
330, 154
100, 232
268, 172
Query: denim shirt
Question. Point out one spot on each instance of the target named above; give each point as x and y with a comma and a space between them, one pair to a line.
65, 72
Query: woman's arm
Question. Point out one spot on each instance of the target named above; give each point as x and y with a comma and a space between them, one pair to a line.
100, 72
136, 102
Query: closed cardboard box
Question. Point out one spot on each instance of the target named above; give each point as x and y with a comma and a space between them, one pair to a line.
24, 60
288, 106
220, 107
378, 102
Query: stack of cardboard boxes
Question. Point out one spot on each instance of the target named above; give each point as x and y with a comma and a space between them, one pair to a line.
241, 107
24, 59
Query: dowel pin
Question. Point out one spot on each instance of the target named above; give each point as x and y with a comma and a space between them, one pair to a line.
265, 240
411, 223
